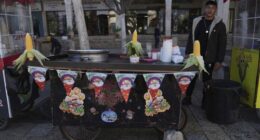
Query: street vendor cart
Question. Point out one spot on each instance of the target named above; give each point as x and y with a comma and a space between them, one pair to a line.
100, 82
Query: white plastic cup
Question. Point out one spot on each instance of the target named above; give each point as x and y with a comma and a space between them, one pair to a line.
149, 54
155, 55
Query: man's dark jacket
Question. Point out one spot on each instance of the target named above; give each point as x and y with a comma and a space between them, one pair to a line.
217, 40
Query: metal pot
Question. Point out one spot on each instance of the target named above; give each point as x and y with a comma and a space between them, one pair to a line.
89, 55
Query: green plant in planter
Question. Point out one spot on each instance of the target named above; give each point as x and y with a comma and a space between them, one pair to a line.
117, 32
134, 48
117, 29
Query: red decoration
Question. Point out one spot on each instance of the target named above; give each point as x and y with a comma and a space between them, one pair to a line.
125, 94
41, 85
24, 2
153, 93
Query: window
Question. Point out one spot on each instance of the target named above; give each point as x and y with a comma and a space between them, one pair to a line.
182, 20
14, 24
97, 22
56, 23
144, 21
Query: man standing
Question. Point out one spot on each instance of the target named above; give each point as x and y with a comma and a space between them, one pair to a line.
211, 32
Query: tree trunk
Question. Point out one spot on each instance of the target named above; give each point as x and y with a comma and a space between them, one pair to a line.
123, 32
168, 17
223, 11
69, 14
81, 24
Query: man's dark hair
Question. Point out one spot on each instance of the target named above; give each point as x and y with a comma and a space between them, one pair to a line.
211, 2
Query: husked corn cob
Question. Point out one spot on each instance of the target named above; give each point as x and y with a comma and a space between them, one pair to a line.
195, 58
29, 53
28, 42
196, 48
134, 39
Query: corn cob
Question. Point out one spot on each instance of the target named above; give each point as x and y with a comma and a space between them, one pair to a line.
134, 38
29, 53
134, 48
196, 48
195, 58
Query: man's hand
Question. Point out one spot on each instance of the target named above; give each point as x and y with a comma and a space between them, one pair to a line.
217, 66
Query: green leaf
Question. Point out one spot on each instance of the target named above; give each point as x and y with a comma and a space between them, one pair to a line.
201, 64
190, 62
39, 56
134, 49
20, 61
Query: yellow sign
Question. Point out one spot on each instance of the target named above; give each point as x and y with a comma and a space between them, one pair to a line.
244, 69
258, 94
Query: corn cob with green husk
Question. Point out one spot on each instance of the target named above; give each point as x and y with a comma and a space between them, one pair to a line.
134, 48
195, 58
29, 53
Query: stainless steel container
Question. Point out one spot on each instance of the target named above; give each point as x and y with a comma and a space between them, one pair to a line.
89, 55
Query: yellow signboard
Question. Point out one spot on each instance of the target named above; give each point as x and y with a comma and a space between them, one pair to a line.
244, 69
258, 94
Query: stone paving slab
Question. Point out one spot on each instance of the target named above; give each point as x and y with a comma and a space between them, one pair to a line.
193, 130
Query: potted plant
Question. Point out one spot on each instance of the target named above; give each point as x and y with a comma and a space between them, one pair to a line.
134, 49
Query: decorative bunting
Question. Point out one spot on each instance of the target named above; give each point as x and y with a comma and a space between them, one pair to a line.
154, 76
38, 74
125, 82
154, 100
74, 103
68, 79
97, 80
184, 79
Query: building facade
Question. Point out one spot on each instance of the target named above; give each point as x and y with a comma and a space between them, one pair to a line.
143, 15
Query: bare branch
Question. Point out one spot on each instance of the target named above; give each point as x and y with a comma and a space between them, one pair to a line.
110, 7
123, 6
118, 7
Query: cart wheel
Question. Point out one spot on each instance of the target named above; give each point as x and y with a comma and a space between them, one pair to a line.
173, 135
78, 132
28, 107
3, 123
183, 119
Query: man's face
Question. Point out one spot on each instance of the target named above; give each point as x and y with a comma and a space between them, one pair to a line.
210, 10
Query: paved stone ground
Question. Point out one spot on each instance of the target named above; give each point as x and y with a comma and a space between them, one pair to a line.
32, 126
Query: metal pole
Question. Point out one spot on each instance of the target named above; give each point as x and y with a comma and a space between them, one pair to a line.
168, 17
31, 21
